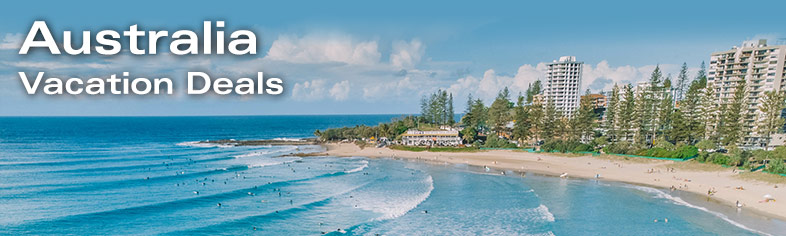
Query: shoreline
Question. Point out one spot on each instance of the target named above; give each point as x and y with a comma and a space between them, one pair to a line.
643, 172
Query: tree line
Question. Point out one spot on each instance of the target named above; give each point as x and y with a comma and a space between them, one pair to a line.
660, 118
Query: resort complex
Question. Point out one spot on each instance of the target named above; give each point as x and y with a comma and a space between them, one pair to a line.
431, 138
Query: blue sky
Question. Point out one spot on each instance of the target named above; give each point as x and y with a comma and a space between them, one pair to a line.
361, 57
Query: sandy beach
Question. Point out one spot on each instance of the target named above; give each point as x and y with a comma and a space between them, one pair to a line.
726, 183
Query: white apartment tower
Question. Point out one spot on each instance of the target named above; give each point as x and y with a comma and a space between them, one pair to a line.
563, 80
758, 65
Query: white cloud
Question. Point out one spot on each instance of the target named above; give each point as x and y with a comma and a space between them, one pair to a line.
603, 76
607, 75
491, 83
318, 89
11, 41
309, 90
392, 89
407, 55
324, 49
340, 91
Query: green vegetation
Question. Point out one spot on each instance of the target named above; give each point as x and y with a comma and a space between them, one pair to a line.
393, 129
565, 146
773, 161
678, 152
437, 108
496, 142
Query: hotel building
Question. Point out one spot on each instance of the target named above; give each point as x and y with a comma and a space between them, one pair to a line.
758, 65
563, 79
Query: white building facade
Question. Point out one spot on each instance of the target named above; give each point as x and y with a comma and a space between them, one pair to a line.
563, 81
431, 138
761, 67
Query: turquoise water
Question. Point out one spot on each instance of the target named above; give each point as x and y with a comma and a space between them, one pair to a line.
146, 176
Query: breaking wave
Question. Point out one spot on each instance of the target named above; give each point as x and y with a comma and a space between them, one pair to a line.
203, 145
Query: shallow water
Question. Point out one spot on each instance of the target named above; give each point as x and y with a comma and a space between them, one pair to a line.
142, 176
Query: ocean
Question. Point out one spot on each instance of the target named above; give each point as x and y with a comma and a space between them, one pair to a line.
148, 176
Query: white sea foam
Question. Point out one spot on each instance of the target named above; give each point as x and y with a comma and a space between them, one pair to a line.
391, 202
544, 213
273, 162
253, 154
288, 139
287, 149
405, 205
359, 168
203, 145
679, 201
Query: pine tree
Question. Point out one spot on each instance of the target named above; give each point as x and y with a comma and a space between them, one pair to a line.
682, 81
679, 132
469, 132
626, 114
712, 114
536, 116
771, 121
702, 71
522, 125
551, 122
646, 110
642, 118
499, 112
436, 108
424, 108
583, 122
467, 119
691, 122
481, 115
665, 109
610, 122
651, 101
532, 90
451, 113
442, 107
731, 127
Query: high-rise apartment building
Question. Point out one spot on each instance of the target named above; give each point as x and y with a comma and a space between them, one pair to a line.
758, 65
563, 80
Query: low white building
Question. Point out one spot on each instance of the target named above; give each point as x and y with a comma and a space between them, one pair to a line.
776, 140
431, 138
